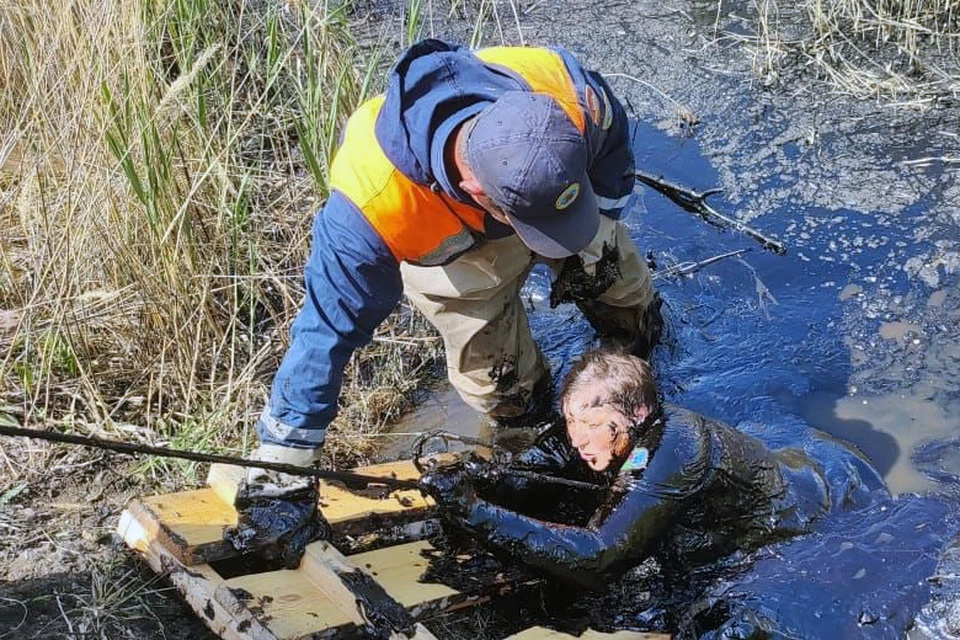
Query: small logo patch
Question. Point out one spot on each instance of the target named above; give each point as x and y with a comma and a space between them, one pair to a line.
637, 460
569, 194
593, 105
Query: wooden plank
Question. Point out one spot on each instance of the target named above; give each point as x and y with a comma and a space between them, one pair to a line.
201, 586
350, 512
399, 570
223, 479
189, 524
310, 602
542, 633
351, 586
344, 507
291, 605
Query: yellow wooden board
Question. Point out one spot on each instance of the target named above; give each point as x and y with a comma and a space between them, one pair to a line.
190, 524
399, 569
200, 586
340, 505
290, 605
310, 602
542, 633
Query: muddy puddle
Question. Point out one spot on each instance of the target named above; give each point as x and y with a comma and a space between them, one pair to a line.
856, 331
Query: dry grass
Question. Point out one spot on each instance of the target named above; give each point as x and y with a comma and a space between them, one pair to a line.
160, 165
901, 52
116, 598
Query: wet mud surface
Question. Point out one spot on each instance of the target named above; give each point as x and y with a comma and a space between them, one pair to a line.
855, 331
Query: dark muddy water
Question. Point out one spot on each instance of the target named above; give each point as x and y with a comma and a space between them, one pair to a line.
856, 331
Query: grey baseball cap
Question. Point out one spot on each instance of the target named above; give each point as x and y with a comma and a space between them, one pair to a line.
531, 160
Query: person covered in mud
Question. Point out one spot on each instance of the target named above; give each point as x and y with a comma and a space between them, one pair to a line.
671, 484
449, 187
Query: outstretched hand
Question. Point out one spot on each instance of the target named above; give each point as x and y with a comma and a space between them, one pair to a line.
452, 487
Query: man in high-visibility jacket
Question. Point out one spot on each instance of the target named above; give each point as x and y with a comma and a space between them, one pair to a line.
449, 187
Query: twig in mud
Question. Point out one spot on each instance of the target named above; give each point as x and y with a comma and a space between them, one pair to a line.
530, 9
926, 162
689, 268
388, 434
684, 113
65, 618
26, 612
695, 202
762, 291
516, 18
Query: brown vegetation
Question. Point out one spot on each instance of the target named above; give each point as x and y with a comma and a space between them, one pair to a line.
889, 49
159, 172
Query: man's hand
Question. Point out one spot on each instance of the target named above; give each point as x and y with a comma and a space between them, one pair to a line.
277, 513
579, 282
452, 487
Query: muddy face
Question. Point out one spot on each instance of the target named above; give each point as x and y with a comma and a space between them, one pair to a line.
600, 434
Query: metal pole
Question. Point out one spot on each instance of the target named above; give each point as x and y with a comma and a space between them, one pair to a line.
347, 477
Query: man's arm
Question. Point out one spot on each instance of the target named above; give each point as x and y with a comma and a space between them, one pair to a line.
352, 284
611, 168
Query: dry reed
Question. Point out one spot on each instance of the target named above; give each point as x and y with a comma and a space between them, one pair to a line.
898, 51
159, 170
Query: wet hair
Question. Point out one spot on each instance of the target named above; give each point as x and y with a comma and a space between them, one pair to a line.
619, 379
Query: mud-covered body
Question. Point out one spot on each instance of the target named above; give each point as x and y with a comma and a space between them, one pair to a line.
705, 491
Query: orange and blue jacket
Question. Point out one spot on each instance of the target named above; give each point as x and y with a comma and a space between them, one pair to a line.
392, 201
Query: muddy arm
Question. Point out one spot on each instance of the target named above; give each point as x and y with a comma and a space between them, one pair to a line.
552, 456
639, 513
591, 556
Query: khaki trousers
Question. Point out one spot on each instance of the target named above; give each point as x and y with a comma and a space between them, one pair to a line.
474, 302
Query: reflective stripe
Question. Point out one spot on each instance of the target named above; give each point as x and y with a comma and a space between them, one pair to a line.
449, 248
613, 203
544, 71
416, 224
279, 432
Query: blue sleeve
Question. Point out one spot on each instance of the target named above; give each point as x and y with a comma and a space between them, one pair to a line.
352, 283
607, 133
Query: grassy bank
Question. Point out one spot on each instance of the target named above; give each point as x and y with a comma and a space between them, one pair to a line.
897, 51
160, 166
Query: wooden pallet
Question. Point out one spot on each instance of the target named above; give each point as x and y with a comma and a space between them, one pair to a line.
190, 524
379, 586
330, 595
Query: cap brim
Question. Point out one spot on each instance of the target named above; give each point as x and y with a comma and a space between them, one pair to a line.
566, 234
